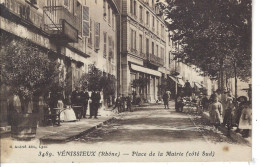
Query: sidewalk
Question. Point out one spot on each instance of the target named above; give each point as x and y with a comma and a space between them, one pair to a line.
70, 130
67, 131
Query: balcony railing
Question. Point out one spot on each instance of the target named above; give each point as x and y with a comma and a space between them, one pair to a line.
155, 60
13, 9
59, 21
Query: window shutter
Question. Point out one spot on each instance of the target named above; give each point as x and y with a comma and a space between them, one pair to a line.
90, 39
105, 44
113, 49
97, 35
85, 21
109, 46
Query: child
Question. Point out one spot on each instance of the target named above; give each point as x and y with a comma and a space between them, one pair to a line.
215, 112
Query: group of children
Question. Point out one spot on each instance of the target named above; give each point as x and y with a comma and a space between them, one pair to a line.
226, 110
223, 109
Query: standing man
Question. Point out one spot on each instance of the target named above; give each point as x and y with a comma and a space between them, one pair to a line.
84, 102
129, 103
187, 89
118, 104
166, 100
123, 100
95, 98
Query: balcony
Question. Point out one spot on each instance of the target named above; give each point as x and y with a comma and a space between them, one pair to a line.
22, 12
155, 60
61, 24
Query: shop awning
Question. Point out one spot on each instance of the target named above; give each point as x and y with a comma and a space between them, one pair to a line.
198, 85
178, 80
174, 79
146, 70
181, 82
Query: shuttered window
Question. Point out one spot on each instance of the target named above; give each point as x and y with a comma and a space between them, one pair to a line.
104, 9
97, 35
113, 50
90, 39
85, 21
113, 20
105, 44
109, 47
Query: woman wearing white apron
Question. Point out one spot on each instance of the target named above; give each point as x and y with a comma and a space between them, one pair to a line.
69, 114
245, 122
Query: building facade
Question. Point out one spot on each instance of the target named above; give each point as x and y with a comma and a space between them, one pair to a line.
70, 32
143, 49
180, 72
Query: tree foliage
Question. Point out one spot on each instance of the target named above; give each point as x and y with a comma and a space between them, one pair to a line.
214, 34
96, 80
25, 68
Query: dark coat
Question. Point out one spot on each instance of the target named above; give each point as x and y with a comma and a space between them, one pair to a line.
95, 97
76, 98
84, 97
165, 97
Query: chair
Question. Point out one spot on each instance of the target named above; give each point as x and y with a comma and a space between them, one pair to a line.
53, 117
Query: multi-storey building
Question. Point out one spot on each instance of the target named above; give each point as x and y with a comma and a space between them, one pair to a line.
182, 72
143, 49
74, 33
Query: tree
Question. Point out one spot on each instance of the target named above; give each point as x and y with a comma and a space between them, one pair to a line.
92, 79
215, 35
26, 69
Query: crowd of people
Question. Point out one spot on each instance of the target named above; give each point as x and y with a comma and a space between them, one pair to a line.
123, 104
224, 109
74, 106
222, 106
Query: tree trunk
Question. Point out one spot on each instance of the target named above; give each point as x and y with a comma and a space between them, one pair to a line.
24, 104
235, 71
221, 76
36, 100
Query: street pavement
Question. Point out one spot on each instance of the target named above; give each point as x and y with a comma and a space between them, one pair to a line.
150, 133
154, 124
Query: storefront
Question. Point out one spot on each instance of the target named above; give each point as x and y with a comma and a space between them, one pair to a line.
175, 84
145, 83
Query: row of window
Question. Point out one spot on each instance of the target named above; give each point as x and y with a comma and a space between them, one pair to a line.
154, 49
150, 19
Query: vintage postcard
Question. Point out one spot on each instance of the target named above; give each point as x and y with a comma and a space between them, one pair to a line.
126, 81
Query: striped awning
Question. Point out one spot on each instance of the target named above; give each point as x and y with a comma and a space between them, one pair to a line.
178, 80
198, 85
146, 70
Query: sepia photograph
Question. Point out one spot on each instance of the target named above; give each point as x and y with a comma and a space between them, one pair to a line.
125, 81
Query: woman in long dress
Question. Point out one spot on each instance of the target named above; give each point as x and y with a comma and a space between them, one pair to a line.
245, 122
68, 112
215, 112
